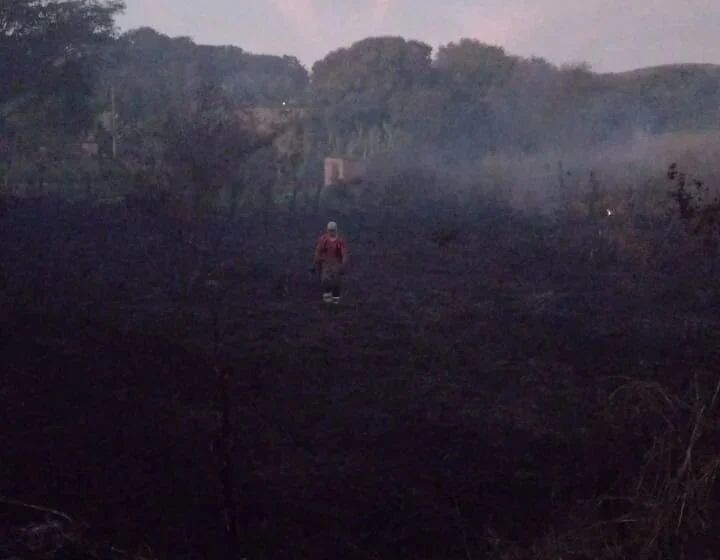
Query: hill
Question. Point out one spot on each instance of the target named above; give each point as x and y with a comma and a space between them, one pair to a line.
665, 70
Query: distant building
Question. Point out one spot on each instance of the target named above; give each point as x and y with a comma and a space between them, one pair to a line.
343, 171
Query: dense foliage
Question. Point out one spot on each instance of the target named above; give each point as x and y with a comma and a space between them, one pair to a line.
152, 72
386, 99
49, 60
473, 98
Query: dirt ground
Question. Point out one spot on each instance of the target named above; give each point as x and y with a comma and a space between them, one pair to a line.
460, 403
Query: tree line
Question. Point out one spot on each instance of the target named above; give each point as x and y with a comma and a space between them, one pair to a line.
174, 102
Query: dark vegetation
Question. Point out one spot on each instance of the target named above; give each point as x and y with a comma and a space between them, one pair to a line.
525, 364
494, 384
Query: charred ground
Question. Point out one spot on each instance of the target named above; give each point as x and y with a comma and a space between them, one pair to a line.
493, 385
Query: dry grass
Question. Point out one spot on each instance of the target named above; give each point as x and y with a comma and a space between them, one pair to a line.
38, 532
666, 511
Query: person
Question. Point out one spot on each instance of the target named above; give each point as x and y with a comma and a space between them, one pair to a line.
331, 257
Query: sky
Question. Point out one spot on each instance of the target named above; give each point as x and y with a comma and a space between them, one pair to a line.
610, 35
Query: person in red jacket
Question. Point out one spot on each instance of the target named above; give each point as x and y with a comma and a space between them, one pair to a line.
331, 257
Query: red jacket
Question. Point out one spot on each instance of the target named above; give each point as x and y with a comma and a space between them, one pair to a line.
331, 252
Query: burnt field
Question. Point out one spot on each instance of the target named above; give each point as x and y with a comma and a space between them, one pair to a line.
492, 385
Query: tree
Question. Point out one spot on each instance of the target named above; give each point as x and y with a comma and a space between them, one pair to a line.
360, 92
47, 71
473, 68
48, 45
151, 72
205, 149
467, 72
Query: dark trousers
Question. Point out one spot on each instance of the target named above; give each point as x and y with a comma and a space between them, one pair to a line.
331, 282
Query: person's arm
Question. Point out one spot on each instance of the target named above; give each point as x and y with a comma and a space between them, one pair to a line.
345, 253
317, 260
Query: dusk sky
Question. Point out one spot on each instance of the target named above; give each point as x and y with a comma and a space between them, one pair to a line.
612, 35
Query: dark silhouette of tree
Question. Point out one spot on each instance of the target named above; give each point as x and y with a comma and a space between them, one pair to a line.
206, 148
49, 50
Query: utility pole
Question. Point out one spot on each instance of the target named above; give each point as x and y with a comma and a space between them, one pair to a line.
113, 125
